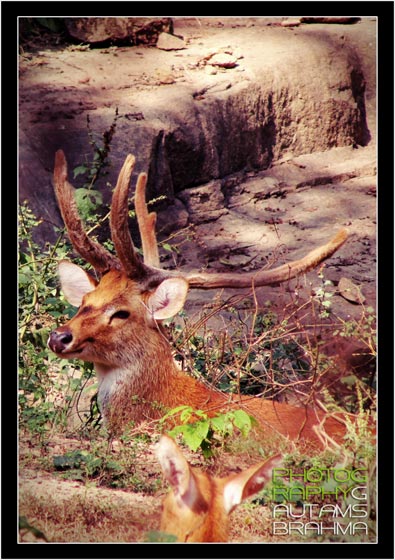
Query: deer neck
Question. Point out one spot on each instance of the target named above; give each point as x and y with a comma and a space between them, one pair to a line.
142, 373
148, 385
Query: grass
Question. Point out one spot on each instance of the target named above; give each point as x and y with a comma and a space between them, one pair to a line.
87, 514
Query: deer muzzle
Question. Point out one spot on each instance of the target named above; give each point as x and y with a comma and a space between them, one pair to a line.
60, 340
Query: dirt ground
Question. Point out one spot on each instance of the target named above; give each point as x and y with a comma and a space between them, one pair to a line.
270, 216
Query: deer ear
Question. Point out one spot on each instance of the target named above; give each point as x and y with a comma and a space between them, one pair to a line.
247, 483
168, 298
75, 282
174, 465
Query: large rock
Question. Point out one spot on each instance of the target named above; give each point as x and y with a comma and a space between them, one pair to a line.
134, 30
285, 98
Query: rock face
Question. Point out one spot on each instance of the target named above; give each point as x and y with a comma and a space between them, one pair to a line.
133, 30
292, 92
204, 203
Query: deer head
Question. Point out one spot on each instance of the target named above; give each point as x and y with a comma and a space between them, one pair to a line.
129, 288
197, 507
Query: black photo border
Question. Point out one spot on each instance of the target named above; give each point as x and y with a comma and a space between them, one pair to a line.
384, 548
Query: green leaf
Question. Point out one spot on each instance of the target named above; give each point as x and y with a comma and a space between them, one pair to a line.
80, 170
349, 380
68, 461
174, 432
194, 434
186, 414
88, 201
75, 384
24, 279
114, 466
243, 421
24, 524
218, 423
176, 410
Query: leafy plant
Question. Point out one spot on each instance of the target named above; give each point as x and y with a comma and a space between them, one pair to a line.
40, 307
206, 432
324, 296
257, 357
97, 167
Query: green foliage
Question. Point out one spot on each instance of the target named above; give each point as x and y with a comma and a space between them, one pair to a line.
359, 441
88, 202
258, 353
363, 329
97, 463
159, 537
207, 432
45, 399
323, 296
38, 292
81, 464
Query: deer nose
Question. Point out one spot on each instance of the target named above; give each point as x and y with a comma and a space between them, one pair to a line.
58, 340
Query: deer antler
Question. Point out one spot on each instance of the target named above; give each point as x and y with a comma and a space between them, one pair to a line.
259, 278
101, 259
146, 222
90, 250
120, 233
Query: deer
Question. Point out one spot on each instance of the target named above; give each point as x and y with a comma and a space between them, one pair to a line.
198, 506
118, 325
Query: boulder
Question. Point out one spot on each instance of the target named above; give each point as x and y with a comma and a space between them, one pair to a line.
133, 30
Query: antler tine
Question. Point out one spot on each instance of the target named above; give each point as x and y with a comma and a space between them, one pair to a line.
146, 222
120, 233
90, 250
282, 273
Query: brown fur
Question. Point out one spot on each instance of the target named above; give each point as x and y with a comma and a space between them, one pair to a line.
206, 521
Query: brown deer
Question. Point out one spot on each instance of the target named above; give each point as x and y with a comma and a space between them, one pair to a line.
117, 326
198, 505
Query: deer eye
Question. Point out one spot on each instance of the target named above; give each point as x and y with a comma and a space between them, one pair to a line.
121, 314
